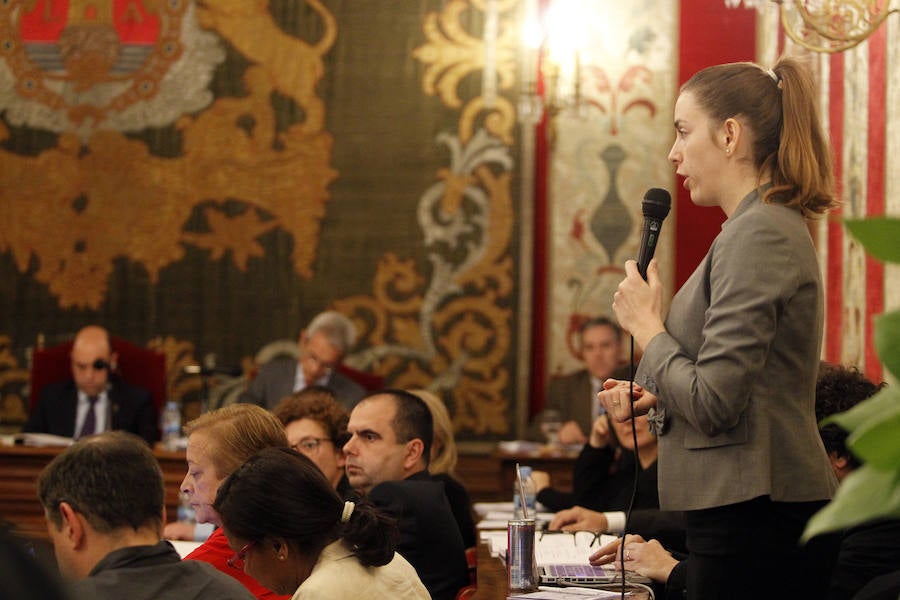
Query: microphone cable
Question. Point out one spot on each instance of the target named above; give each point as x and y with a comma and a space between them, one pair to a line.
637, 466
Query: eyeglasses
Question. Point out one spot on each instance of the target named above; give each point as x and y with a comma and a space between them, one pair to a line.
307, 355
237, 560
310, 445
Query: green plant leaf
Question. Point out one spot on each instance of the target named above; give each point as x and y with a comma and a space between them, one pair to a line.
867, 493
887, 341
872, 409
879, 236
875, 441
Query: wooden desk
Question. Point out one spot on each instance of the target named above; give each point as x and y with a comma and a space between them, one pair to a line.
490, 574
559, 466
19, 470
488, 473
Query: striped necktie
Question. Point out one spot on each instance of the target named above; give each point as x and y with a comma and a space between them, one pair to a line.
90, 419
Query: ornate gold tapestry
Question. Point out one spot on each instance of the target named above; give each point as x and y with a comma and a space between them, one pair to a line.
203, 178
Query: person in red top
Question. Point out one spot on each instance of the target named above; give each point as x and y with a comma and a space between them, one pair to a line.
218, 443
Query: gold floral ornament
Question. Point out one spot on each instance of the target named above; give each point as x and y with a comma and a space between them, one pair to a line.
13, 379
98, 195
452, 331
452, 53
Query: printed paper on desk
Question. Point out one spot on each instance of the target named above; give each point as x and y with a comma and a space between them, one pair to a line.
568, 548
567, 594
484, 508
502, 515
487, 524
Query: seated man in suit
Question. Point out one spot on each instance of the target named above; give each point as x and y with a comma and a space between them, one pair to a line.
391, 433
574, 395
322, 346
109, 544
95, 399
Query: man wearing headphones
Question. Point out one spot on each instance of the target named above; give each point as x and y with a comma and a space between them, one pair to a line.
95, 399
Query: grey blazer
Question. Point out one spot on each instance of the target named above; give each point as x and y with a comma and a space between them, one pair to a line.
735, 371
275, 381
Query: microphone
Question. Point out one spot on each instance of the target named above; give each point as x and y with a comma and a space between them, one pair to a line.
655, 207
207, 371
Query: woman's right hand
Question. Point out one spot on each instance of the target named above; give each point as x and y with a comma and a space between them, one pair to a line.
649, 559
617, 395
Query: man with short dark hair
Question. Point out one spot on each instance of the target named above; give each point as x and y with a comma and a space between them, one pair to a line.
391, 433
95, 399
322, 346
103, 499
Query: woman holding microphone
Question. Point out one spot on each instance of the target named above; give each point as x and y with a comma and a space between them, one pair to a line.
730, 374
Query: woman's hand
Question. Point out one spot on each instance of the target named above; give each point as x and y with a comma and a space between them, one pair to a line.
649, 559
617, 396
570, 433
578, 518
638, 303
600, 437
541, 480
179, 530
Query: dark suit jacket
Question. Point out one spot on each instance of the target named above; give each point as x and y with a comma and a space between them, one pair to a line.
429, 536
571, 395
461, 505
131, 409
866, 551
275, 381
601, 485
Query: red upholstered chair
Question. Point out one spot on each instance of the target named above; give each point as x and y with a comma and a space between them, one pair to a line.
138, 366
472, 562
369, 381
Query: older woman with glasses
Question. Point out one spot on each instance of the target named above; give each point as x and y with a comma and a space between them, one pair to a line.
293, 533
218, 443
316, 426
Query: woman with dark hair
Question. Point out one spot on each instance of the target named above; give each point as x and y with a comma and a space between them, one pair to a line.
294, 534
731, 373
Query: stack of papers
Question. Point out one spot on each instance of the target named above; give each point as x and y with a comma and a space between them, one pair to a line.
571, 593
500, 520
42, 439
553, 547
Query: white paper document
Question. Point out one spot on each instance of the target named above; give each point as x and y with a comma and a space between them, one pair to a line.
551, 593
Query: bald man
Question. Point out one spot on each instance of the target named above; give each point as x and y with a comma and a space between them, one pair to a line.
95, 399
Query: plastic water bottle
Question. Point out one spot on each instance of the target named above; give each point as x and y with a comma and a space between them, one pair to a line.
171, 426
530, 494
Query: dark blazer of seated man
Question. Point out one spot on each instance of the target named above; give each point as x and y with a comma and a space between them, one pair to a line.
321, 346
95, 399
387, 454
103, 498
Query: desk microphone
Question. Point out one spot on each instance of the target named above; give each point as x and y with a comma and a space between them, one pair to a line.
207, 371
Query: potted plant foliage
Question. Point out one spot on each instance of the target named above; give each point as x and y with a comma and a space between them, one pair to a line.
873, 490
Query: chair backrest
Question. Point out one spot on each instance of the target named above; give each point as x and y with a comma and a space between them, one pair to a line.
369, 381
138, 366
